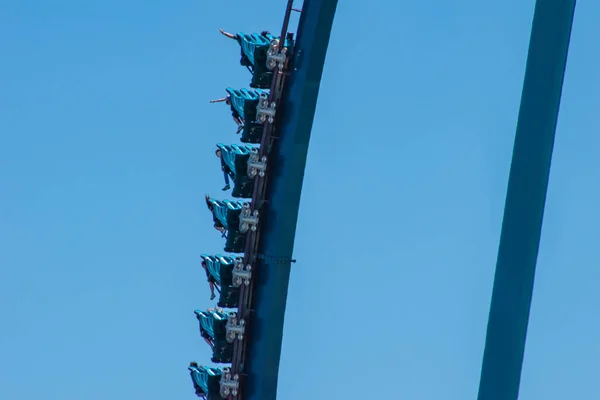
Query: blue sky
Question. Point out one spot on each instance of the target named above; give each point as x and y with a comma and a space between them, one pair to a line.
106, 151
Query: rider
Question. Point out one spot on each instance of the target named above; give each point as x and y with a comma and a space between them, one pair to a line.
236, 116
217, 223
225, 168
211, 280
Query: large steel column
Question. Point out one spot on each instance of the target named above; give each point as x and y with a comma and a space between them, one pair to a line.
525, 199
286, 173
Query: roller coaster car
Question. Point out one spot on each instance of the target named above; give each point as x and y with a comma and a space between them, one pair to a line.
255, 48
245, 103
206, 381
226, 213
213, 327
221, 269
236, 158
237, 218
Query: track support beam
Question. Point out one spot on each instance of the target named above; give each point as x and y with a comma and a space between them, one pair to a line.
525, 200
294, 122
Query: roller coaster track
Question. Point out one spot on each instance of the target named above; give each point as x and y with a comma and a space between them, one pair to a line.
249, 377
259, 198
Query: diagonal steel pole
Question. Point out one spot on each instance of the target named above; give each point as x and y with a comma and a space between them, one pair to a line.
525, 200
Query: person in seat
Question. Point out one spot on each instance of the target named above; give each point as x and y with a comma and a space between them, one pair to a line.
208, 339
217, 224
199, 391
225, 168
211, 280
236, 116
244, 61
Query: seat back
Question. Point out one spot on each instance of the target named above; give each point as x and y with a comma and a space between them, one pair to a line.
220, 268
236, 158
254, 50
206, 379
245, 101
212, 323
255, 46
226, 211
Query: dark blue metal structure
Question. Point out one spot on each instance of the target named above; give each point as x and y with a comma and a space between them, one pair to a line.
264, 228
525, 200
285, 184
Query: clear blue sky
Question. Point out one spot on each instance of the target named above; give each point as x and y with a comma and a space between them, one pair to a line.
106, 151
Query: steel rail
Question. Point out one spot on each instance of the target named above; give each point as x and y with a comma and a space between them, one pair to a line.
257, 203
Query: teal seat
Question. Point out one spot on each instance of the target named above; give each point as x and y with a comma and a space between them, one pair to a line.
236, 158
206, 381
226, 211
255, 46
227, 214
254, 49
221, 269
213, 326
212, 323
245, 101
